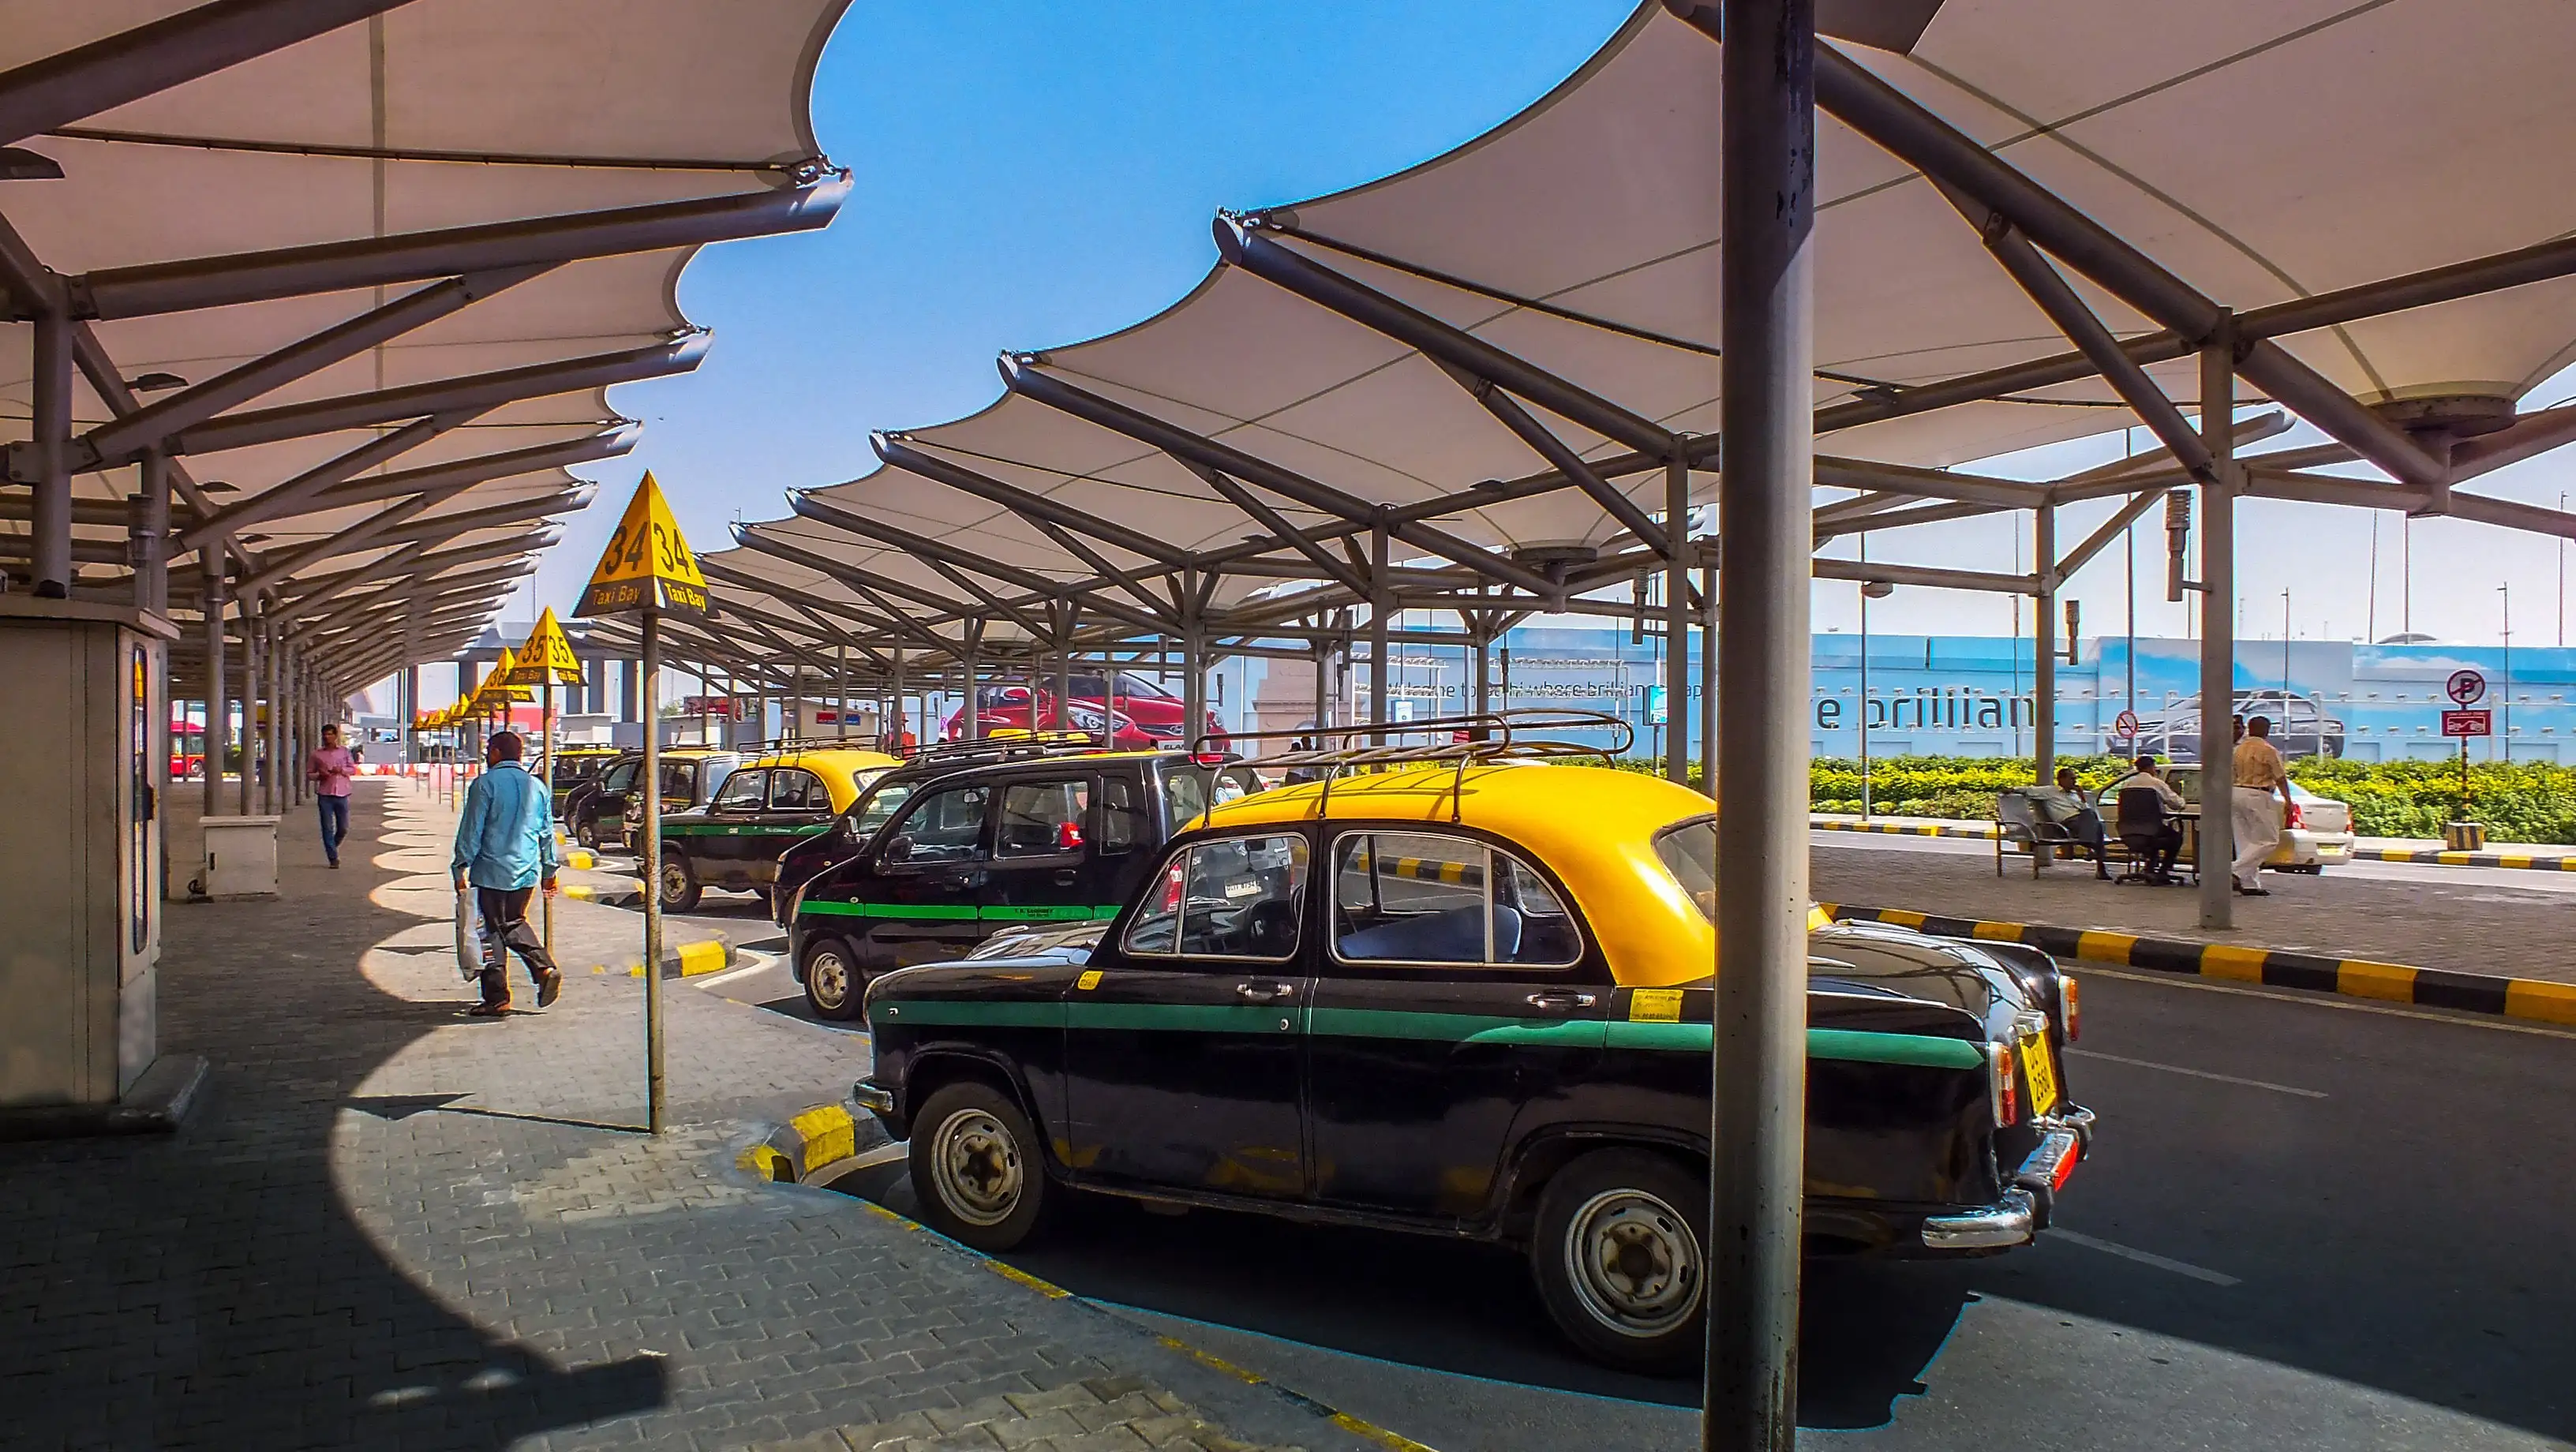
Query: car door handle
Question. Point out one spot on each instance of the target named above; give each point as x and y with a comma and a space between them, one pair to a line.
1064, 877
1263, 992
1561, 1002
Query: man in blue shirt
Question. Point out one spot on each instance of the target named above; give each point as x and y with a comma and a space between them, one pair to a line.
504, 845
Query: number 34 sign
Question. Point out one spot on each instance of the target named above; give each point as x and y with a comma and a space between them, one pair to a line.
647, 565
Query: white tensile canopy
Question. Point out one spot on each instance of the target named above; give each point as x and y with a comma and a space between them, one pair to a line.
1374, 350
386, 478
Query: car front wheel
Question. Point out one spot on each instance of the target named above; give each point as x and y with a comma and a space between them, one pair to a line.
1619, 1259
834, 988
678, 883
977, 1167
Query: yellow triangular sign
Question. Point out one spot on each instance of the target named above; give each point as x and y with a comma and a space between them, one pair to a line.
547, 656
648, 565
495, 688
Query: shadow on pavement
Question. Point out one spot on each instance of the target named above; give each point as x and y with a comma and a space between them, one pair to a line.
1870, 1330
212, 1289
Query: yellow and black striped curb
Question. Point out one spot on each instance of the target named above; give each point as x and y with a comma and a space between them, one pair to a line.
826, 1133
2438, 857
1980, 831
810, 1141
631, 895
2272, 967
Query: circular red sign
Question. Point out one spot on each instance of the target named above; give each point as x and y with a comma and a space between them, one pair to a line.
2126, 724
2466, 686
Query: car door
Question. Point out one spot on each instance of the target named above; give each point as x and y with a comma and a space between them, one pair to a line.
1454, 990
929, 870
731, 831
1182, 1049
1044, 835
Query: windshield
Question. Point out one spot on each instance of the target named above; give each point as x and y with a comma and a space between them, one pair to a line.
1689, 853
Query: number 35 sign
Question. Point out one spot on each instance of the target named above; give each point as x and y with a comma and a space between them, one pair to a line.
647, 565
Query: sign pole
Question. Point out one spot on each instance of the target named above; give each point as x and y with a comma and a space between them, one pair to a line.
546, 721
649, 861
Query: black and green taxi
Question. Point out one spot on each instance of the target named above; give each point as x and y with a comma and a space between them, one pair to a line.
576, 767
764, 807
1488, 1014
957, 846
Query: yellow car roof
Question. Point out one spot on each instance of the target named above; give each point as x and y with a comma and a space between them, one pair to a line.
1593, 826
845, 771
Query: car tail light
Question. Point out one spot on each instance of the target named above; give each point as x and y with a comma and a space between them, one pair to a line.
2073, 1003
2297, 817
2003, 1090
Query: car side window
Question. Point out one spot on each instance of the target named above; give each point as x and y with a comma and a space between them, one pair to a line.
679, 782
794, 790
1409, 897
947, 826
744, 791
1118, 814
1233, 898
1043, 818
620, 777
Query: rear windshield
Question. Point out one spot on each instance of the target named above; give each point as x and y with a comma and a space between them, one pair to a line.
1186, 787
1689, 853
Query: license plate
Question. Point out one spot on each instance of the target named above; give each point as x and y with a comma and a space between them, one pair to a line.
2041, 1071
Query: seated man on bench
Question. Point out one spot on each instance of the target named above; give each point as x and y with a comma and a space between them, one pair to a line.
2064, 806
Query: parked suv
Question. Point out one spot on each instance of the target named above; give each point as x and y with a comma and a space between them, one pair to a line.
944, 852
593, 813
764, 806
576, 767
2300, 726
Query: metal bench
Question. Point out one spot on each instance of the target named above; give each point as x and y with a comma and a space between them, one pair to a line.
2021, 827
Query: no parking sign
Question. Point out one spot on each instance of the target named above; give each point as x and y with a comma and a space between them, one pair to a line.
2466, 686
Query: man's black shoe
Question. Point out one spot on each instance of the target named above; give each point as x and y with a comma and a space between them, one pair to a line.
549, 988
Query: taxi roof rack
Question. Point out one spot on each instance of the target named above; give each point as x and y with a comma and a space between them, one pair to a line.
1476, 739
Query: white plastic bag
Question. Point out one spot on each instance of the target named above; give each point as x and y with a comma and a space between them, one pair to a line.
469, 935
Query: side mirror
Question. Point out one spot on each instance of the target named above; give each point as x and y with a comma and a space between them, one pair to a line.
900, 849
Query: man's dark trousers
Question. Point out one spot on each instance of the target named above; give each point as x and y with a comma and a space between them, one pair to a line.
334, 812
505, 925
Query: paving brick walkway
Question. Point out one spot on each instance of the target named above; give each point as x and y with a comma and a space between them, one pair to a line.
2469, 926
391, 1226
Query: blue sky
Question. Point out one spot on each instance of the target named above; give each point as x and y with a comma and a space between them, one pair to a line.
1034, 174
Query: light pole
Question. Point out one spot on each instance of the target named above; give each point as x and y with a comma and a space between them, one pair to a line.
2285, 647
2505, 752
1869, 590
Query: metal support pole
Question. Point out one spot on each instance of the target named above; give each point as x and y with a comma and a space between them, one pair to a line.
900, 716
216, 732
1193, 677
1758, 1129
1677, 618
650, 860
1708, 681
2043, 634
52, 425
841, 696
1481, 639
1381, 605
151, 532
274, 648
249, 713
1323, 687
971, 727
2217, 849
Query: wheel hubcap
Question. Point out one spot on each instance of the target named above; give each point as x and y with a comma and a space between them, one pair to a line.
675, 881
1633, 1262
829, 977
977, 1166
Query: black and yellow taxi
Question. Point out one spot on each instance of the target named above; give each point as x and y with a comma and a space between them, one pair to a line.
690, 775
574, 768
765, 805
974, 838
1471, 998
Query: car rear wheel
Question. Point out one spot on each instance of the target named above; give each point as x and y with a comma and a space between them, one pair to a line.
834, 987
678, 883
977, 1168
1619, 1259
589, 834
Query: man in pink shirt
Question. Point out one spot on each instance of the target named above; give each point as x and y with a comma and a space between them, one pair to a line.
329, 769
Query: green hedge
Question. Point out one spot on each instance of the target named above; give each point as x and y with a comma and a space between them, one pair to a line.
2517, 802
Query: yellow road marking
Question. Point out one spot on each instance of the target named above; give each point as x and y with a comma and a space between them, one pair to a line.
1014, 1273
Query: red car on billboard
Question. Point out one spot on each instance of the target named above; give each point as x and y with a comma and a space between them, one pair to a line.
1147, 713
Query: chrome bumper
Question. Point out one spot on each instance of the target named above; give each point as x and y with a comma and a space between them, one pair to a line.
2023, 1210
872, 1098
